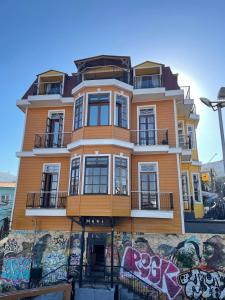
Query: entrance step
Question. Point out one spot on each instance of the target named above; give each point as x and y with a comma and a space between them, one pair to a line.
94, 294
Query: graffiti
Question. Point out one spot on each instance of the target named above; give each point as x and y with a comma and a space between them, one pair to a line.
187, 253
200, 284
56, 262
39, 249
214, 252
154, 270
75, 253
16, 270
11, 247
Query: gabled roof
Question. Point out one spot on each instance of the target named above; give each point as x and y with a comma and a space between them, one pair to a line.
51, 71
147, 64
103, 60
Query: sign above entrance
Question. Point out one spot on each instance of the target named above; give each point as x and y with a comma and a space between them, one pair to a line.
98, 221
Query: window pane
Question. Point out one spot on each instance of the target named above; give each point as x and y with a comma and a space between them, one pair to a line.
93, 115
104, 115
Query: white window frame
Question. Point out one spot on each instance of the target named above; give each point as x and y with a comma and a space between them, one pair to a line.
183, 132
128, 109
194, 146
139, 108
43, 170
74, 157
188, 184
139, 180
110, 105
200, 188
128, 173
74, 107
109, 172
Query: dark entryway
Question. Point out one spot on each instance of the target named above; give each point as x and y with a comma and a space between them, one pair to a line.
99, 251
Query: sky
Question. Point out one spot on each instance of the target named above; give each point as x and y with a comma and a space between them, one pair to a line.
39, 35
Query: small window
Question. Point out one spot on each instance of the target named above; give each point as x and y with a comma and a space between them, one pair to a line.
191, 136
96, 175
196, 187
121, 111
121, 176
75, 176
98, 109
78, 117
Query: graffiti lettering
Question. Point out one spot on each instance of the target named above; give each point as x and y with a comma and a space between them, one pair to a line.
16, 270
158, 272
199, 284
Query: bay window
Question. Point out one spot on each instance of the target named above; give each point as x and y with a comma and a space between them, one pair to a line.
78, 114
121, 111
98, 109
75, 176
96, 175
121, 176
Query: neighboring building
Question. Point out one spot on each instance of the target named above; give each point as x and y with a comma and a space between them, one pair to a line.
109, 146
215, 167
7, 191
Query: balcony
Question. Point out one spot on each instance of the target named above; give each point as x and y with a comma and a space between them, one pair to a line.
46, 203
186, 143
48, 88
147, 81
52, 140
154, 140
147, 204
186, 103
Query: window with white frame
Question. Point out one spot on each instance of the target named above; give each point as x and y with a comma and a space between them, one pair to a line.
181, 136
148, 185
185, 186
121, 176
191, 136
75, 176
96, 175
196, 187
121, 114
78, 113
98, 109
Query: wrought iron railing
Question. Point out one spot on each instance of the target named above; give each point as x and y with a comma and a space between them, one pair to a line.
150, 137
185, 141
145, 200
147, 81
52, 140
46, 200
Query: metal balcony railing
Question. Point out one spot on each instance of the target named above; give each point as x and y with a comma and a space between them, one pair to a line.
145, 200
185, 141
46, 200
147, 81
187, 92
52, 140
48, 88
150, 137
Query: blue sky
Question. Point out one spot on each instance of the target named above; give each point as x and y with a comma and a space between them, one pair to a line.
50, 34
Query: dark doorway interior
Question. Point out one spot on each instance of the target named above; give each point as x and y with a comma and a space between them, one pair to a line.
99, 251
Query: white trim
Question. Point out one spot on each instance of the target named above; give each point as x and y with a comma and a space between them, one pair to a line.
175, 122
193, 135
24, 129
72, 158
181, 195
128, 108
49, 212
44, 97
109, 172
102, 82
24, 154
50, 111
188, 184
87, 142
200, 189
110, 106
157, 214
74, 106
128, 173
49, 151
139, 180
196, 163
152, 148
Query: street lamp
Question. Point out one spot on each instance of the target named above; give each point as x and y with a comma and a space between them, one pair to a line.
218, 105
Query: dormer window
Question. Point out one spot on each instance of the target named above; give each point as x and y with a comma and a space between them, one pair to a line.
50, 83
147, 75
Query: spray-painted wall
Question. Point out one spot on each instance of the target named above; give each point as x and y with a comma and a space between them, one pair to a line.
188, 266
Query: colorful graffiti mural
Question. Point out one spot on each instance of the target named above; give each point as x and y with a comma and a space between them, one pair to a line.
157, 272
178, 266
